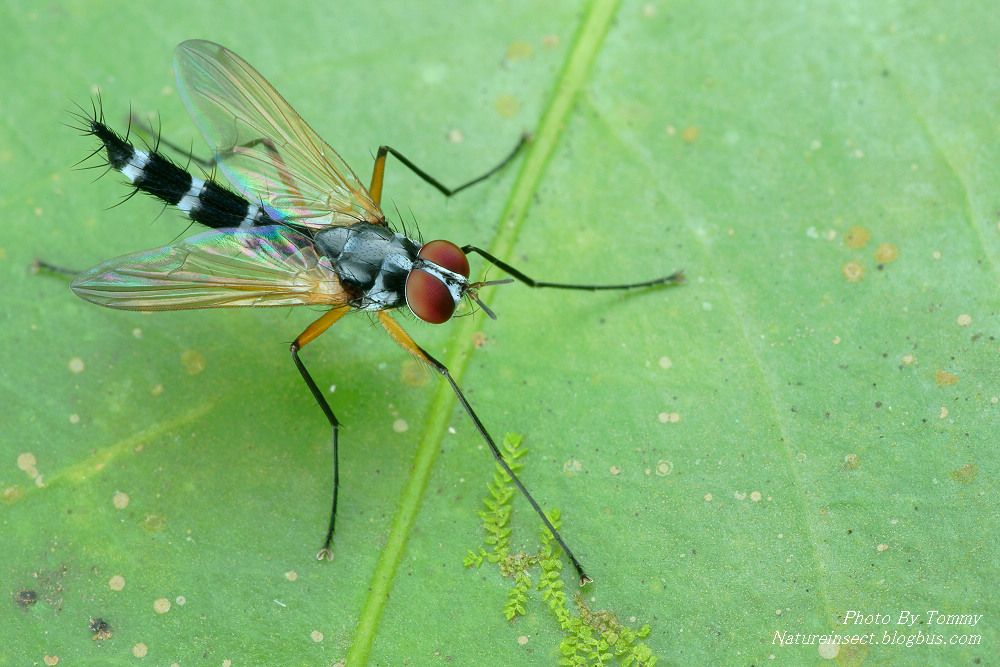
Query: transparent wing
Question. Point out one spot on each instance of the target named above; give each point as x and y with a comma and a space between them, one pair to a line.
263, 266
263, 146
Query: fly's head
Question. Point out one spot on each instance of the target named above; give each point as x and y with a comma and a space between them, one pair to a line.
438, 280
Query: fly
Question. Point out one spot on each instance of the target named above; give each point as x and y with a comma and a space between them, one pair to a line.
293, 227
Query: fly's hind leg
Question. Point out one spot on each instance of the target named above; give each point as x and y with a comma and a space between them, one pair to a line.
41, 265
307, 336
210, 164
378, 173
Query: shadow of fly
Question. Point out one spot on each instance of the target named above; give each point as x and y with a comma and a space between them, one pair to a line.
293, 227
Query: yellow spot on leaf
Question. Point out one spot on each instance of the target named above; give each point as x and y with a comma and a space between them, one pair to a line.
945, 379
853, 271
690, 134
966, 474
857, 237
27, 463
886, 253
507, 106
154, 523
519, 51
193, 362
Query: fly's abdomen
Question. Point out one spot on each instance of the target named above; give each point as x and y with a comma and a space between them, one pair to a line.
204, 201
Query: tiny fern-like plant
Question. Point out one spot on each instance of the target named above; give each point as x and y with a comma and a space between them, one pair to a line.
589, 637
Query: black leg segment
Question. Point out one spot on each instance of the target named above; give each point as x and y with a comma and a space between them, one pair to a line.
438, 185
325, 553
675, 278
443, 370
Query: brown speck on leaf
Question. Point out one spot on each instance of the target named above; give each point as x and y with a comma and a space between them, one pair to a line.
25, 598
100, 628
945, 379
886, 253
690, 134
857, 237
966, 474
853, 271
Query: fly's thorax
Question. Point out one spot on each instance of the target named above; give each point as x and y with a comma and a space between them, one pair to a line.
371, 261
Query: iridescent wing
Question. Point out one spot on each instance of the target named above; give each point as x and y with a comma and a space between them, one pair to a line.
264, 266
263, 146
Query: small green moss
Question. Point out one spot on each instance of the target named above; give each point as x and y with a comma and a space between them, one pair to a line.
590, 637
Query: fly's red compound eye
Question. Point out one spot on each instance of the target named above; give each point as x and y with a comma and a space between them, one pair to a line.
447, 255
426, 294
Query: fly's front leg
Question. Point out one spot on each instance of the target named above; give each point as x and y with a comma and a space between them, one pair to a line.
403, 339
375, 189
675, 278
307, 336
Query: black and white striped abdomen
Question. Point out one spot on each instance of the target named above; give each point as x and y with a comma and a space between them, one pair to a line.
204, 201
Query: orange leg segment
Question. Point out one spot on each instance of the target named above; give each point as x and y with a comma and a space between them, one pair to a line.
378, 172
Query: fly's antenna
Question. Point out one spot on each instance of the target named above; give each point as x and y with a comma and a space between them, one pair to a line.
473, 292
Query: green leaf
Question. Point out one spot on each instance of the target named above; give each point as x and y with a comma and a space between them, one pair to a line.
806, 428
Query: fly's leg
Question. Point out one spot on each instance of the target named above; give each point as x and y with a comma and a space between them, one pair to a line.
675, 278
375, 189
307, 336
42, 265
403, 339
152, 135
212, 163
